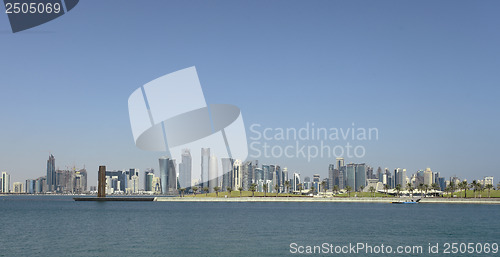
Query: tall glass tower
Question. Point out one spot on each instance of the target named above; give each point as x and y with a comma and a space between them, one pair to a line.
205, 160
51, 173
185, 169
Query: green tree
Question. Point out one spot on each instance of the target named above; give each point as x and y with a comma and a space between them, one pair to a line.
410, 189
277, 189
421, 188
463, 187
361, 188
240, 189
426, 187
253, 187
372, 190
287, 185
398, 189
474, 186
194, 190
299, 187
217, 189
435, 187
453, 187
206, 190
386, 189
311, 191
323, 186
336, 189
265, 189
182, 190
348, 189
489, 187
229, 190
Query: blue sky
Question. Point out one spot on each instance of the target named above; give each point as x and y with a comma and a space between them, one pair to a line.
425, 73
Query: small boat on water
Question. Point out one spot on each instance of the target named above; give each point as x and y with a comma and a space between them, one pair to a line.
407, 202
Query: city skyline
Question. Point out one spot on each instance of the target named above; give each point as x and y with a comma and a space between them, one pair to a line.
349, 174
424, 76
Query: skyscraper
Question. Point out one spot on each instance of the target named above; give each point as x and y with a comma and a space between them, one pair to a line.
296, 181
236, 176
227, 172
360, 176
168, 176
351, 176
213, 172
5, 182
331, 174
185, 169
148, 180
205, 159
340, 163
51, 173
428, 180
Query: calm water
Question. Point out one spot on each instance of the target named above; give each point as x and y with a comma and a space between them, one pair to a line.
58, 226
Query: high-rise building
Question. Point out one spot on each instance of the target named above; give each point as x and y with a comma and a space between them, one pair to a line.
213, 173
428, 177
168, 176
18, 187
340, 163
351, 176
360, 176
5, 182
101, 184
185, 169
51, 173
317, 183
296, 181
148, 180
236, 176
331, 176
227, 172
205, 160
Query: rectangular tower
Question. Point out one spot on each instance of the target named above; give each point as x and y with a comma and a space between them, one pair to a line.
101, 189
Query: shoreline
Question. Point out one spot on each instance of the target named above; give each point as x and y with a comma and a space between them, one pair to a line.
328, 199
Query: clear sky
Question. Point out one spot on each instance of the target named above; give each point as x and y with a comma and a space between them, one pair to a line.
424, 73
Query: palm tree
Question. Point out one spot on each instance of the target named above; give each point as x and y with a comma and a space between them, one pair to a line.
435, 187
386, 189
312, 190
336, 189
240, 189
474, 187
489, 187
229, 190
253, 187
421, 188
453, 187
287, 185
463, 186
398, 189
348, 189
194, 190
299, 187
361, 188
206, 190
216, 189
410, 189
182, 191
276, 188
265, 189
323, 186
372, 190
